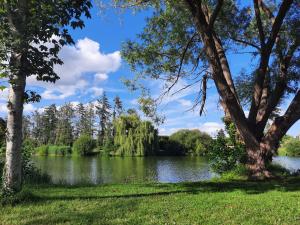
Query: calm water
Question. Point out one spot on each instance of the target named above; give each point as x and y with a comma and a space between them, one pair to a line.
99, 170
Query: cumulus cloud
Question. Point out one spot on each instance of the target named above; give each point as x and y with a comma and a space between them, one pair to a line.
79, 61
28, 108
211, 127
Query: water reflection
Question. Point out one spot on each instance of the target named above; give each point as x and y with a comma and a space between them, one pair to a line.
291, 163
99, 170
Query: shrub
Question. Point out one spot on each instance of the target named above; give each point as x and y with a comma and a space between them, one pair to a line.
224, 157
169, 147
289, 146
293, 147
59, 150
30, 173
84, 145
42, 150
191, 142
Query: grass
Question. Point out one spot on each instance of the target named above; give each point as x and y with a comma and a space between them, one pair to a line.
214, 202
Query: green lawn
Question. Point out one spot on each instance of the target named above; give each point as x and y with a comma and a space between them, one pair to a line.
234, 202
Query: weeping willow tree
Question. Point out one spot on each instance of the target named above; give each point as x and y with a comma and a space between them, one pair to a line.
134, 137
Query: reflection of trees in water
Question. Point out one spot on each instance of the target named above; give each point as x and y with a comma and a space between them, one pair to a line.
99, 170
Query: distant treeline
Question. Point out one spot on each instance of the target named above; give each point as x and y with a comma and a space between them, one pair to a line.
102, 127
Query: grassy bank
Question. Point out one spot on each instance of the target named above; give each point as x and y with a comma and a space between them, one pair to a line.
234, 202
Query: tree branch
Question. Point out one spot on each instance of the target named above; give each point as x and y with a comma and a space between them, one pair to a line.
281, 124
280, 86
215, 14
259, 24
245, 43
285, 6
265, 56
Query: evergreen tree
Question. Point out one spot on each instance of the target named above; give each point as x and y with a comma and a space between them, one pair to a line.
85, 120
37, 127
118, 107
103, 111
27, 127
90, 115
64, 131
49, 123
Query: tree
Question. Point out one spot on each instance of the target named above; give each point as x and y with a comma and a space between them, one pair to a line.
64, 131
192, 39
32, 33
118, 107
134, 137
103, 111
192, 142
49, 124
27, 127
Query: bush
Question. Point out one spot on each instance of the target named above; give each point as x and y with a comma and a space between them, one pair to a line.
30, 173
84, 145
169, 147
223, 157
293, 147
191, 142
289, 146
42, 150
59, 150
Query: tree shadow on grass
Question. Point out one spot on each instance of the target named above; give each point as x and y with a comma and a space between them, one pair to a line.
158, 189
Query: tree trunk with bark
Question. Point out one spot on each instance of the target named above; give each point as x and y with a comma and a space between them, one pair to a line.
13, 164
260, 147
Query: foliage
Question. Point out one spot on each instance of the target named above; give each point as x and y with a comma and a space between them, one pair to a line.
42, 150
103, 112
118, 107
191, 142
290, 146
134, 137
224, 157
84, 145
59, 150
38, 30
64, 132
2, 132
30, 173
169, 147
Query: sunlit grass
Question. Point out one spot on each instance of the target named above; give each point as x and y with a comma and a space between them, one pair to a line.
234, 202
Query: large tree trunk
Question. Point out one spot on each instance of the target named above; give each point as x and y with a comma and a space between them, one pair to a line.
256, 162
13, 164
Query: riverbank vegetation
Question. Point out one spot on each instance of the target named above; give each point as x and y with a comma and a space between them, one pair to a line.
289, 146
213, 202
100, 128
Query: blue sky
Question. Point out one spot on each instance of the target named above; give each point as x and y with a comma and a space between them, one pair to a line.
94, 65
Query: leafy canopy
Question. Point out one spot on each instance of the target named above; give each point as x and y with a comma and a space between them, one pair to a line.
36, 30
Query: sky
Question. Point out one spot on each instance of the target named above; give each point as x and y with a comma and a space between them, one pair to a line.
94, 65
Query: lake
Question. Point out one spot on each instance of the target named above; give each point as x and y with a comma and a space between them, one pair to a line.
102, 170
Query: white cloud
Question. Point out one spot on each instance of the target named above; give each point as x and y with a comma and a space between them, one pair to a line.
79, 60
4, 94
97, 91
211, 127
185, 103
28, 108
101, 76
